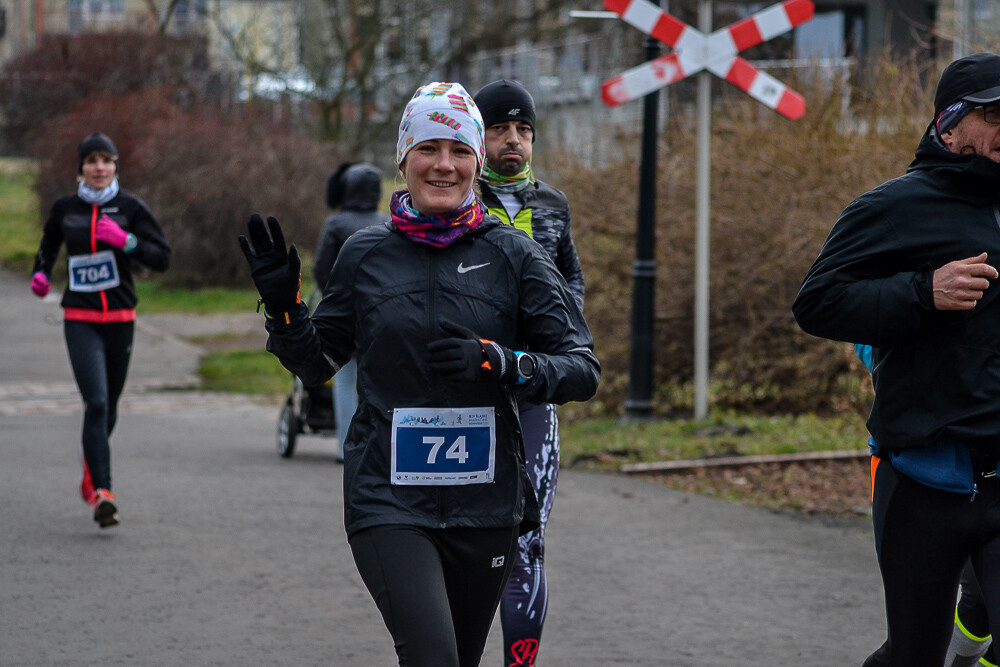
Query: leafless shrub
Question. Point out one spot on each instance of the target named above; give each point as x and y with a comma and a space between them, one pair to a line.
201, 172
66, 69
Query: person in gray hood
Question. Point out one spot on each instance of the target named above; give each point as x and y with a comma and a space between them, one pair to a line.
356, 189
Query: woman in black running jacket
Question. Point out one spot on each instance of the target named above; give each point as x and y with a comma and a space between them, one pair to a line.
104, 229
451, 314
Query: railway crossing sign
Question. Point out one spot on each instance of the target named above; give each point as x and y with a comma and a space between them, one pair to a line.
694, 51
702, 52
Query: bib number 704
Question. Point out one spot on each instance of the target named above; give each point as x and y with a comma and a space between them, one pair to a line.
457, 450
93, 274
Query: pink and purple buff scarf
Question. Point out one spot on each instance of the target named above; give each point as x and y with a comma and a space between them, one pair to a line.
435, 230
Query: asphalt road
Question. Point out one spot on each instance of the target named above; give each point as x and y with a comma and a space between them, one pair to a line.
229, 555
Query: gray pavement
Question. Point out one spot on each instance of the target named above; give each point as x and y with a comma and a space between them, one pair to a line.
229, 555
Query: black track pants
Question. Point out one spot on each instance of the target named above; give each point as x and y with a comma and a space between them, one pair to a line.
923, 539
99, 354
437, 590
971, 608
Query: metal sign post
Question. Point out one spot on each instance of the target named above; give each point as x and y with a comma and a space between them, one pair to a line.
701, 246
695, 51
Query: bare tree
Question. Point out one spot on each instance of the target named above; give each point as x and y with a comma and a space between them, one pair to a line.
366, 57
161, 13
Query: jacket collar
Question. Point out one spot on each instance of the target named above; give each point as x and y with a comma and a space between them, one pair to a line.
974, 175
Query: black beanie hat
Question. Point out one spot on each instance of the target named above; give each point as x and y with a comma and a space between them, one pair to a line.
505, 100
91, 144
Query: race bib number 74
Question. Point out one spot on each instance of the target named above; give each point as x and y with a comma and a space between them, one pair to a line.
443, 446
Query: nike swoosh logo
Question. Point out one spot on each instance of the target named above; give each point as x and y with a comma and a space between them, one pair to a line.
466, 269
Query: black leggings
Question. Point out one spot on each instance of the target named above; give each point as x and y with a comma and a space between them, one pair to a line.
99, 354
923, 539
526, 597
971, 608
437, 590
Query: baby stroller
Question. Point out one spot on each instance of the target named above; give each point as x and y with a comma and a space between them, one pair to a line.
307, 410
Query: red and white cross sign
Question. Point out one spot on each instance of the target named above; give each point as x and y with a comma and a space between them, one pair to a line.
695, 51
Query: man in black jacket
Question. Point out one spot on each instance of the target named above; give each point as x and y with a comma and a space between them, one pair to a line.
905, 270
512, 193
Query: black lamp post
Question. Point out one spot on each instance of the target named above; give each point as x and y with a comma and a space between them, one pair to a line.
639, 399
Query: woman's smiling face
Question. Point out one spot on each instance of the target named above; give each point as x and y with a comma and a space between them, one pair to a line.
439, 174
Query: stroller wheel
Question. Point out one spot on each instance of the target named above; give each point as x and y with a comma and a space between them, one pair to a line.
288, 429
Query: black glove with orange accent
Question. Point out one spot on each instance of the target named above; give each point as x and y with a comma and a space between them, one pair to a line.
466, 356
276, 271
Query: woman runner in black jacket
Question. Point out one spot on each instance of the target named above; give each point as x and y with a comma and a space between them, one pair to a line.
452, 315
105, 229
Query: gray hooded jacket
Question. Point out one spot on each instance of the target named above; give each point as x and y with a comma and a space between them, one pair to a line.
357, 190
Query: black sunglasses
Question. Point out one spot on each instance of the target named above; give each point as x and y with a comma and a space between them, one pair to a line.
991, 113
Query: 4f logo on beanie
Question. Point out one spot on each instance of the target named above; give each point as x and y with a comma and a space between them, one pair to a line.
514, 112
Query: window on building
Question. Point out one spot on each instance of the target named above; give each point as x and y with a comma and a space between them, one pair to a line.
182, 16
74, 15
822, 37
982, 10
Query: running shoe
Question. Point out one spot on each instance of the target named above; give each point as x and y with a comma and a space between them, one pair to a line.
105, 510
87, 485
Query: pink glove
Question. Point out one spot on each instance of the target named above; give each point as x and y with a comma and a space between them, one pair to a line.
109, 232
40, 284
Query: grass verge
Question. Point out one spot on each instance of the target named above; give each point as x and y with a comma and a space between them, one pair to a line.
20, 229
157, 298
244, 371
606, 444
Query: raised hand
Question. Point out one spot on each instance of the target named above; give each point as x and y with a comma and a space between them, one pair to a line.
276, 271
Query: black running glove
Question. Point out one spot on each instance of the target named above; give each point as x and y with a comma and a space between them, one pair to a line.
466, 356
276, 272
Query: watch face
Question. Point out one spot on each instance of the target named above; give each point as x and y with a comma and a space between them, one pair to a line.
526, 365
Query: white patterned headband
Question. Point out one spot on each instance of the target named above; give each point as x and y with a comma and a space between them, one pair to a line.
441, 110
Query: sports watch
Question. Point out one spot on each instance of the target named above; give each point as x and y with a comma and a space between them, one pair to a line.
526, 366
